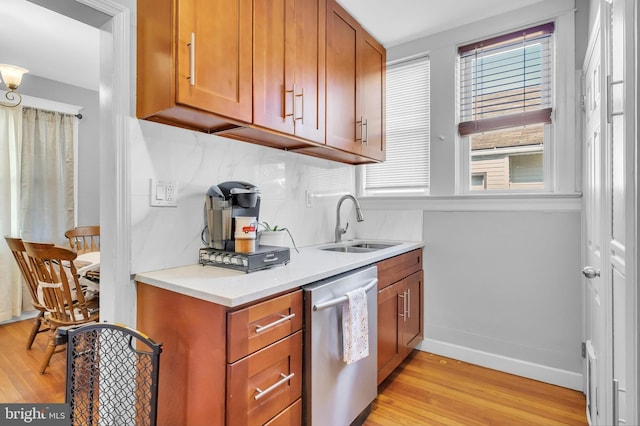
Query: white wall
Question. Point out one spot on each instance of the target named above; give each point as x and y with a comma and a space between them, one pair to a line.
164, 237
502, 275
506, 284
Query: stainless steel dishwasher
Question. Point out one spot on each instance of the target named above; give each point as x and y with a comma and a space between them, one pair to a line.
337, 393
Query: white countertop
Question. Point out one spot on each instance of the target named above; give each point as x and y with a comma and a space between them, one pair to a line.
233, 288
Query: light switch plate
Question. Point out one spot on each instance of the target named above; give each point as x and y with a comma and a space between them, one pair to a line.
163, 193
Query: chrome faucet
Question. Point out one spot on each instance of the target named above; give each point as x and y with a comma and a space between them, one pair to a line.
339, 230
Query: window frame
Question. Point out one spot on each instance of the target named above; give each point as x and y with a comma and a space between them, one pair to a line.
361, 188
552, 130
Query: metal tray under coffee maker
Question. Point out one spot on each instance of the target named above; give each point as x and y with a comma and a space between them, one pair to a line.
264, 257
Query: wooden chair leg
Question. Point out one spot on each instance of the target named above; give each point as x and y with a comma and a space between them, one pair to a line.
51, 348
37, 323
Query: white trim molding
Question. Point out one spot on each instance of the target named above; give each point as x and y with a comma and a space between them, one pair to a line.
478, 203
117, 301
542, 373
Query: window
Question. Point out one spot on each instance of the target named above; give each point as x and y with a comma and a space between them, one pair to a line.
406, 168
506, 98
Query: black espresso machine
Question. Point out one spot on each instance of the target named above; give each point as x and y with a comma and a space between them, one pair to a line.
223, 204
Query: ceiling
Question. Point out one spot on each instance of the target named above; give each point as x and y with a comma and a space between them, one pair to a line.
60, 48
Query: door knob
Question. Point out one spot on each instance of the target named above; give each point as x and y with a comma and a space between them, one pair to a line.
590, 272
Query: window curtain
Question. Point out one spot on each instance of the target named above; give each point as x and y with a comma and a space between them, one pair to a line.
10, 145
47, 181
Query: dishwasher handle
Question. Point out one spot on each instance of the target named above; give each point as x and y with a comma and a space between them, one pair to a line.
339, 300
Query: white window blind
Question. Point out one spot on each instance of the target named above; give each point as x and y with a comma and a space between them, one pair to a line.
506, 81
406, 168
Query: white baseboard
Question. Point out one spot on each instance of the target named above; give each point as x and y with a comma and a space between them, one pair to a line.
23, 316
542, 373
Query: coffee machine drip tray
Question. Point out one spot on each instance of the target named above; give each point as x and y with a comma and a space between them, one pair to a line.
264, 257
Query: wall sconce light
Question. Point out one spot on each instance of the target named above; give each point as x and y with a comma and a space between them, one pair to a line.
12, 77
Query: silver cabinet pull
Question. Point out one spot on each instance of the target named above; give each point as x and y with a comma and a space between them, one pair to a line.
361, 130
192, 60
260, 328
404, 306
408, 303
294, 96
280, 382
590, 272
365, 138
610, 112
301, 96
293, 103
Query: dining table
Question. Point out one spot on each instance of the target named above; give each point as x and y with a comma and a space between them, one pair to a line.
88, 270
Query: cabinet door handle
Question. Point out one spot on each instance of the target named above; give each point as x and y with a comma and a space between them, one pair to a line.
365, 138
260, 328
404, 306
610, 112
301, 96
293, 103
192, 60
408, 303
280, 382
361, 135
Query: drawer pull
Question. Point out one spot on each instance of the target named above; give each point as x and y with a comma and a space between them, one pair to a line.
282, 381
260, 329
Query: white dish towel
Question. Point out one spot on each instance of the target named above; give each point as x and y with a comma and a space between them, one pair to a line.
355, 330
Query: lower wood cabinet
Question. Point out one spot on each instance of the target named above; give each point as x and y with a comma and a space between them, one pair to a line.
265, 383
400, 310
225, 366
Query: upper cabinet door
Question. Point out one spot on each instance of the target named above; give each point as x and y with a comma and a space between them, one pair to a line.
356, 65
273, 59
342, 80
288, 72
371, 95
310, 69
214, 55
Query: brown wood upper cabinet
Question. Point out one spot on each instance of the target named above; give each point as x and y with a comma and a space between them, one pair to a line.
288, 67
309, 79
195, 62
356, 65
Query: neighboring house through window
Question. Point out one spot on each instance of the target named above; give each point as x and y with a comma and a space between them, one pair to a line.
506, 99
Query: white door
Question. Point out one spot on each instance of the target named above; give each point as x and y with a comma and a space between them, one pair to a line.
610, 362
595, 294
615, 200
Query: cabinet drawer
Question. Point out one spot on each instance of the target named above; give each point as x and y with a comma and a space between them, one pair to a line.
259, 325
292, 416
398, 267
265, 383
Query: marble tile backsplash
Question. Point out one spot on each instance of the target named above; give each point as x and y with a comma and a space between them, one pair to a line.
164, 237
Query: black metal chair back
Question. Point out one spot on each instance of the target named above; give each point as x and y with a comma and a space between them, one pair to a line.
112, 375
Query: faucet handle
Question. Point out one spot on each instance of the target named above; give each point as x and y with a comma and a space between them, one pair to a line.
344, 230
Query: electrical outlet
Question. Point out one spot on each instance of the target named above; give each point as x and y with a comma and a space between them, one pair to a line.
308, 195
163, 193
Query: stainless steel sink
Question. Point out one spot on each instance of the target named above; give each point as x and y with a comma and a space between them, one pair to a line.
373, 246
359, 247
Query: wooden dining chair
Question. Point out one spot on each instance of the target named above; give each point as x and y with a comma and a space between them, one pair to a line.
59, 291
20, 255
83, 239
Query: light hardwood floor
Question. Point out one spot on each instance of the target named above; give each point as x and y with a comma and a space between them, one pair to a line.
425, 390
